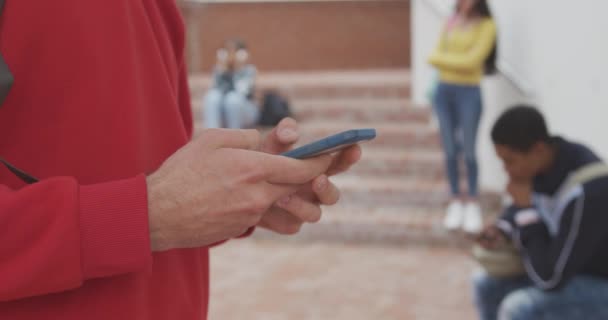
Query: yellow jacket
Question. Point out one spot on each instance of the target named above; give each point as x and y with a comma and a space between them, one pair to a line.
461, 53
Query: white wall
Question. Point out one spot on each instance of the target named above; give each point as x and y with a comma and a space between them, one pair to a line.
555, 51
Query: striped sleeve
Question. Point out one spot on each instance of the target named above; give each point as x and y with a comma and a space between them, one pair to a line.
551, 261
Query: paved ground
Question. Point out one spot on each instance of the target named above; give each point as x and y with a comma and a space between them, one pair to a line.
268, 280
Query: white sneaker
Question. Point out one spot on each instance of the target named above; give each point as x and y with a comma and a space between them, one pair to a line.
473, 222
454, 215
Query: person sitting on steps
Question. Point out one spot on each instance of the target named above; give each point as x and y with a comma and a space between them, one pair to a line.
229, 103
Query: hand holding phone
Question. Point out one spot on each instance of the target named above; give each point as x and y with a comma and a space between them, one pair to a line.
491, 237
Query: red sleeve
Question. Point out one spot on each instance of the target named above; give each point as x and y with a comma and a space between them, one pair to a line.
247, 234
55, 234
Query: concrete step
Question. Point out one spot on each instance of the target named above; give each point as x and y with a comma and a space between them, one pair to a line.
419, 192
348, 84
388, 211
359, 110
392, 191
402, 136
399, 225
397, 193
400, 163
403, 164
394, 135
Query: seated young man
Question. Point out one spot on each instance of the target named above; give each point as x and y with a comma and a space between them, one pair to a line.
559, 226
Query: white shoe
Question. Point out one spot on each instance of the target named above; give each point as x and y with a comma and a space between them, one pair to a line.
454, 215
473, 222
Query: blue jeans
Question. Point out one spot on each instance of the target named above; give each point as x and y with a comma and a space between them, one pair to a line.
583, 297
458, 109
232, 110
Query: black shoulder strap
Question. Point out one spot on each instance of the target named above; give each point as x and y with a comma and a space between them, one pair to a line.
6, 77
25, 177
6, 81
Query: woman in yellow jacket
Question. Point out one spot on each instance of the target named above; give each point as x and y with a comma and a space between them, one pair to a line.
466, 51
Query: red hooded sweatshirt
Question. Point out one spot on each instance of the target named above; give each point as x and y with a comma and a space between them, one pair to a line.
100, 100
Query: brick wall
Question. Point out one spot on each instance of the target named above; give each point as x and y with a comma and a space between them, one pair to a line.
304, 35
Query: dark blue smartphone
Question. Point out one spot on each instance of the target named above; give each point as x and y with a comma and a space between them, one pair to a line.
332, 143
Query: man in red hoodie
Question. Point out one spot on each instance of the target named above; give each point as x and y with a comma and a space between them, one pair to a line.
119, 225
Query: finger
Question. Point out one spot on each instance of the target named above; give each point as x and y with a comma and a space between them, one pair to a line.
304, 210
471, 237
344, 160
327, 193
492, 244
485, 244
480, 237
492, 234
500, 239
231, 138
275, 192
284, 170
483, 237
282, 137
278, 220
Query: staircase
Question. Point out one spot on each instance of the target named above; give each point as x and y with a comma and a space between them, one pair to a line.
397, 193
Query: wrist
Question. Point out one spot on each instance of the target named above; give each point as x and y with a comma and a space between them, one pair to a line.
158, 238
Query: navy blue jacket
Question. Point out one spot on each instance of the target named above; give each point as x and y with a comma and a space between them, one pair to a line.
565, 233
